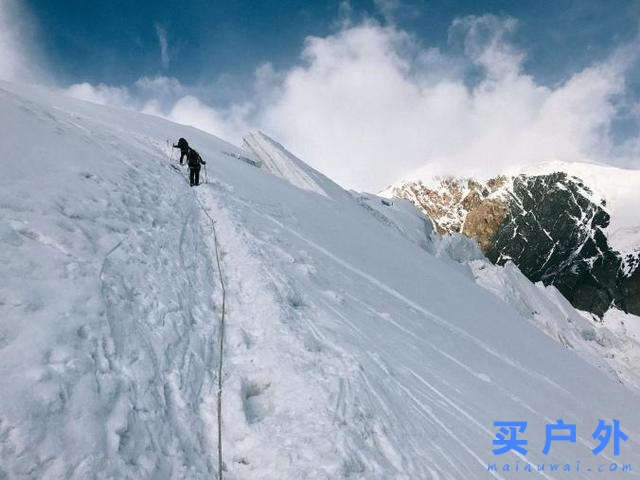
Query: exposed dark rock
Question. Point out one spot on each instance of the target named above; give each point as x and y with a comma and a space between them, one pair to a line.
630, 287
553, 232
547, 225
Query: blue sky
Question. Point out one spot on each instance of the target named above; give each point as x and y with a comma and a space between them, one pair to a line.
116, 42
366, 91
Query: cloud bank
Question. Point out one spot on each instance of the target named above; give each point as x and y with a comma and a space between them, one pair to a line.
370, 104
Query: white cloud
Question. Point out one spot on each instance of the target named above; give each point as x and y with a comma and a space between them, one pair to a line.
387, 8
101, 94
486, 43
363, 110
146, 92
369, 104
161, 33
393, 10
222, 123
160, 86
18, 57
349, 110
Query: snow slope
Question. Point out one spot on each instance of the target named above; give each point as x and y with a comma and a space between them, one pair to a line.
612, 344
275, 159
351, 350
107, 297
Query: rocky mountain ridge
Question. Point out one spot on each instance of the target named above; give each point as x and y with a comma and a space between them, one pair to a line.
555, 226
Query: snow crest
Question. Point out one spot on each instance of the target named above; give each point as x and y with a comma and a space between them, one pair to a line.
276, 159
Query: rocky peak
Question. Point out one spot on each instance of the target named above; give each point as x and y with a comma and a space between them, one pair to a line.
551, 225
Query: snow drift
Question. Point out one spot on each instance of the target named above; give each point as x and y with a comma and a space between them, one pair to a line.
352, 350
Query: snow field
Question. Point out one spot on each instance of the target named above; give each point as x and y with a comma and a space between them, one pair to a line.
356, 345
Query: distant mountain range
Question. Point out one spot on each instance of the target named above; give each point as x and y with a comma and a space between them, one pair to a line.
571, 225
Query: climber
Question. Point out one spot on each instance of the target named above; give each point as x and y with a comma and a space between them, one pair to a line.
194, 160
184, 148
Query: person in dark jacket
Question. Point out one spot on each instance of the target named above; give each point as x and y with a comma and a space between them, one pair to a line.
184, 148
194, 160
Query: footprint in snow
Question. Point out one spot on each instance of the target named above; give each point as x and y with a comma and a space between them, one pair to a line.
256, 404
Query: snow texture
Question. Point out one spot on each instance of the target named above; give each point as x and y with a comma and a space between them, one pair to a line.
353, 349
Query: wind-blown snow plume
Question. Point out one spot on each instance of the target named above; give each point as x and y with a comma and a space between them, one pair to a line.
101, 94
161, 33
16, 46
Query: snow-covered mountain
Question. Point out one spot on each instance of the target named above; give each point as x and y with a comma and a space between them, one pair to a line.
356, 343
572, 225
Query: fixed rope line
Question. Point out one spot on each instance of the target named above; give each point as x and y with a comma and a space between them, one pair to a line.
221, 345
222, 318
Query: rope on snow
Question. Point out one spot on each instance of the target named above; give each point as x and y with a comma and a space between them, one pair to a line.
222, 319
221, 345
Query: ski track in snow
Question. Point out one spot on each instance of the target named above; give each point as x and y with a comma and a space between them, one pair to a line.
382, 286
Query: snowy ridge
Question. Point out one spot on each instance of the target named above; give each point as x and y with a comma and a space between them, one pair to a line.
352, 350
401, 215
275, 159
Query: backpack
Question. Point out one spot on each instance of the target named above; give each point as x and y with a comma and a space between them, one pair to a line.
182, 144
193, 158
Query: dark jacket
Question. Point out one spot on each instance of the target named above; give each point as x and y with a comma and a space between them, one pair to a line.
194, 160
182, 145
184, 148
